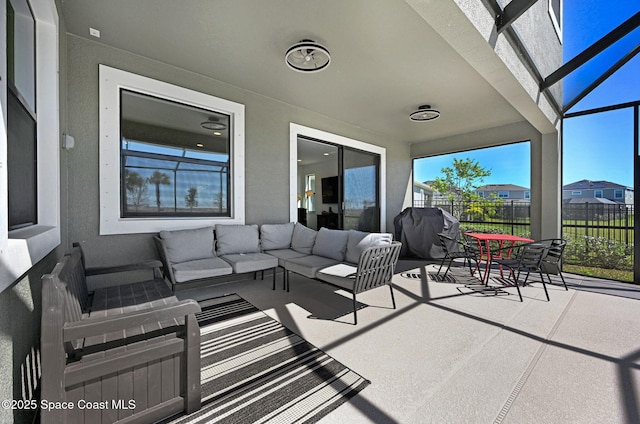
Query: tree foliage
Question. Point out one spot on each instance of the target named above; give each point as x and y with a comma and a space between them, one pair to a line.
459, 183
191, 199
136, 187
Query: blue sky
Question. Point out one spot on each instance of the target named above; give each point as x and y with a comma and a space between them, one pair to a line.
596, 147
509, 164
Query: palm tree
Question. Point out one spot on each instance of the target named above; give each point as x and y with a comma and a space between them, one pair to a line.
158, 178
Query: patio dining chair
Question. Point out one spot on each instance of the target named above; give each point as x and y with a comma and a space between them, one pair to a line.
526, 258
464, 251
552, 260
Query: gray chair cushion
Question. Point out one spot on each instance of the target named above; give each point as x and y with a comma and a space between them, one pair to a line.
358, 241
331, 244
250, 262
201, 268
308, 265
341, 275
188, 245
276, 236
237, 239
303, 239
285, 254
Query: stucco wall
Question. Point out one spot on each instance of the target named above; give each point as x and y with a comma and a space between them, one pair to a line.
266, 148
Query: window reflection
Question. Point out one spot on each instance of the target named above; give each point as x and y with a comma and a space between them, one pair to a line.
175, 158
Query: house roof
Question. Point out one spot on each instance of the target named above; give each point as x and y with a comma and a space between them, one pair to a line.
581, 200
502, 187
388, 57
424, 186
592, 185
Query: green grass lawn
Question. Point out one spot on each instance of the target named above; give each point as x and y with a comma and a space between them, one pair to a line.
611, 274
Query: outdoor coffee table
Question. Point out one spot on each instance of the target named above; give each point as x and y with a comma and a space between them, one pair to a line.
484, 244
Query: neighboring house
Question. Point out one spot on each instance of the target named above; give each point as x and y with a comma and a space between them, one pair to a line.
422, 195
604, 192
505, 192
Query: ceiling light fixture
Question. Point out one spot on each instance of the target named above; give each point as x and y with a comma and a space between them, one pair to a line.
213, 123
307, 56
424, 113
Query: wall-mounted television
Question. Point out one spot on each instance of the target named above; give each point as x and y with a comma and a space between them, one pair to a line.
330, 186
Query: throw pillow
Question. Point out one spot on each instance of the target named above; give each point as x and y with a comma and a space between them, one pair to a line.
276, 236
188, 245
331, 244
237, 239
359, 241
303, 239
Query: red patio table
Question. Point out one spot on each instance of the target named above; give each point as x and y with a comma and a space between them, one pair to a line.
484, 243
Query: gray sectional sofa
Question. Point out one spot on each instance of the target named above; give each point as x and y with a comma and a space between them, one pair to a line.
194, 254
351, 260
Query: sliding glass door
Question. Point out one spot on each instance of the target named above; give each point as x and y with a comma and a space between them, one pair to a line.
360, 196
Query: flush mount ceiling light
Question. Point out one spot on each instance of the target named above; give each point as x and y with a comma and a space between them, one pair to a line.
424, 113
307, 56
213, 123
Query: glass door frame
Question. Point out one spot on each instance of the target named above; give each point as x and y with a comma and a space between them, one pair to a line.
296, 130
343, 182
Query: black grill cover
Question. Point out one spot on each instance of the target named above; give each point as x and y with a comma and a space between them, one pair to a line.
418, 228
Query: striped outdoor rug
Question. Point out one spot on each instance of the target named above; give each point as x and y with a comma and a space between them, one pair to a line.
254, 370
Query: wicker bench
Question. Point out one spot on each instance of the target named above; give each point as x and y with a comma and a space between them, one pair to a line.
126, 353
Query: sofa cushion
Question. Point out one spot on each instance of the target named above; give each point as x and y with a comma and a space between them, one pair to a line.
303, 239
341, 275
237, 239
188, 245
276, 236
201, 268
250, 262
331, 244
358, 241
285, 254
308, 265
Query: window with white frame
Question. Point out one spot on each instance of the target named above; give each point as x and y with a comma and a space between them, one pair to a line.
30, 181
21, 116
481, 194
618, 194
576, 193
180, 154
527, 195
556, 10
503, 194
597, 194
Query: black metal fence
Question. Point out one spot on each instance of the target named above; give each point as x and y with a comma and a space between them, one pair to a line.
599, 235
507, 217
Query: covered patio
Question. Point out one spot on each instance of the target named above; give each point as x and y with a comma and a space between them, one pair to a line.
447, 354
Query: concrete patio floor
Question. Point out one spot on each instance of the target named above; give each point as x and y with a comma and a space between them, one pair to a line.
447, 354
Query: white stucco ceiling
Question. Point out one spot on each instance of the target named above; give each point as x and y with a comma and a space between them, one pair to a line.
386, 58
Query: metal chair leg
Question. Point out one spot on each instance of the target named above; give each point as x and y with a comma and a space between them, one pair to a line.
274, 278
544, 286
441, 263
355, 313
448, 268
393, 300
